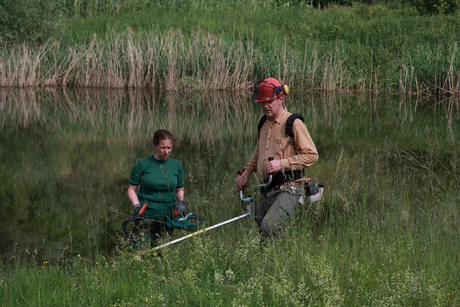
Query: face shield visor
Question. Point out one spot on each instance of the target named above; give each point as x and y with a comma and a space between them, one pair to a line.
265, 91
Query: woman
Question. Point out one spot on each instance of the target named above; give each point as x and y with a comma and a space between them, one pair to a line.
158, 181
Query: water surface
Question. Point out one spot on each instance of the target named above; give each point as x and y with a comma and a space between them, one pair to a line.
65, 155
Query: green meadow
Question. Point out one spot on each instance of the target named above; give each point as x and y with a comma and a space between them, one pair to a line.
202, 45
376, 240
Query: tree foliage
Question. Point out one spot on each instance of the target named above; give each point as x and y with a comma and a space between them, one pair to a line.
26, 20
436, 6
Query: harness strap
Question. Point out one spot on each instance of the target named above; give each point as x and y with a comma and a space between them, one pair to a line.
288, 176
289, 124
284, 177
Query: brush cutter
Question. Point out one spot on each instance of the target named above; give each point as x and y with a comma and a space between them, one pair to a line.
249, 213
189, 222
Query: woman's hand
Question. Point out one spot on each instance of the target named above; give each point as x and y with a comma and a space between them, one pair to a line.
180, 206
136, 209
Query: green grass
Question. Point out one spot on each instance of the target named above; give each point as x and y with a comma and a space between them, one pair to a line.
375, 240
386, 234
359, 48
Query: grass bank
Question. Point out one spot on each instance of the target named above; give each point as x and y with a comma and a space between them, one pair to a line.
359, 48
376, 239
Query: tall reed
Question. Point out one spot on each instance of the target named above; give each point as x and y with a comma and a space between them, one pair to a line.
202, 61
132, 60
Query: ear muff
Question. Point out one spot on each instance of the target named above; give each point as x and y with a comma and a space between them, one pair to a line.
267, 91
286, 89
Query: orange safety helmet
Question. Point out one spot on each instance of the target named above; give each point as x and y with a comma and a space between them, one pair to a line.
268, 90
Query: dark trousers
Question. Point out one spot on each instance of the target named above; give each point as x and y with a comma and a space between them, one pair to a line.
273, 208
151, 234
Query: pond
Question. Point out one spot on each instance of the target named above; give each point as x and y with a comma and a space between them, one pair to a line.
66, 155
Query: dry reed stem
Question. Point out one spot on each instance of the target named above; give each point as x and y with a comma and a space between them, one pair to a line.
176, 62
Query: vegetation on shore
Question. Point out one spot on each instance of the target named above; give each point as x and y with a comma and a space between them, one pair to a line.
374, 241
194, 45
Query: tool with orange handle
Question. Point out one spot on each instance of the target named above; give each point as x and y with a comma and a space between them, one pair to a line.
143, 209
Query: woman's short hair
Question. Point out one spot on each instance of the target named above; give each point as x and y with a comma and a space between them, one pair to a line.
160, 135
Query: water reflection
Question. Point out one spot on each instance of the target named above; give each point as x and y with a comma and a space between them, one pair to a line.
66, 154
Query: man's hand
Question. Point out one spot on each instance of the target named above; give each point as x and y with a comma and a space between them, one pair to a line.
273, 166
180, 206
242, 182
136, 209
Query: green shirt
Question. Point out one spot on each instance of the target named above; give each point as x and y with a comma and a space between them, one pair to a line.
157, 181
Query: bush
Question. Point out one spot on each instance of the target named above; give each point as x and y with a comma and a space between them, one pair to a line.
436, 6
26, 20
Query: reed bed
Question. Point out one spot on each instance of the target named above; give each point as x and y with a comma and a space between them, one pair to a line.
202, 61
144, 60
205, 45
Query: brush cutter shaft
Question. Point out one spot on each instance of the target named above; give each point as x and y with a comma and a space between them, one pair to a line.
248, 214
201, 231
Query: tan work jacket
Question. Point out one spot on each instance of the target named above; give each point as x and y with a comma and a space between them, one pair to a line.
273, 142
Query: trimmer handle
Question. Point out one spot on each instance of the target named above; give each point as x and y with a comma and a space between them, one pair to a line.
270, 178
143, 209
270, 159
249, 198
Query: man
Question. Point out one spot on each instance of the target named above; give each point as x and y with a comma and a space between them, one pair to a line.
278, 201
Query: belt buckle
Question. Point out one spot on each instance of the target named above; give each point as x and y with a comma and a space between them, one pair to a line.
287, 185
293, 185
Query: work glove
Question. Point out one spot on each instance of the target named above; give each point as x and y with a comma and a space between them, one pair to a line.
181, 208
136, 209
